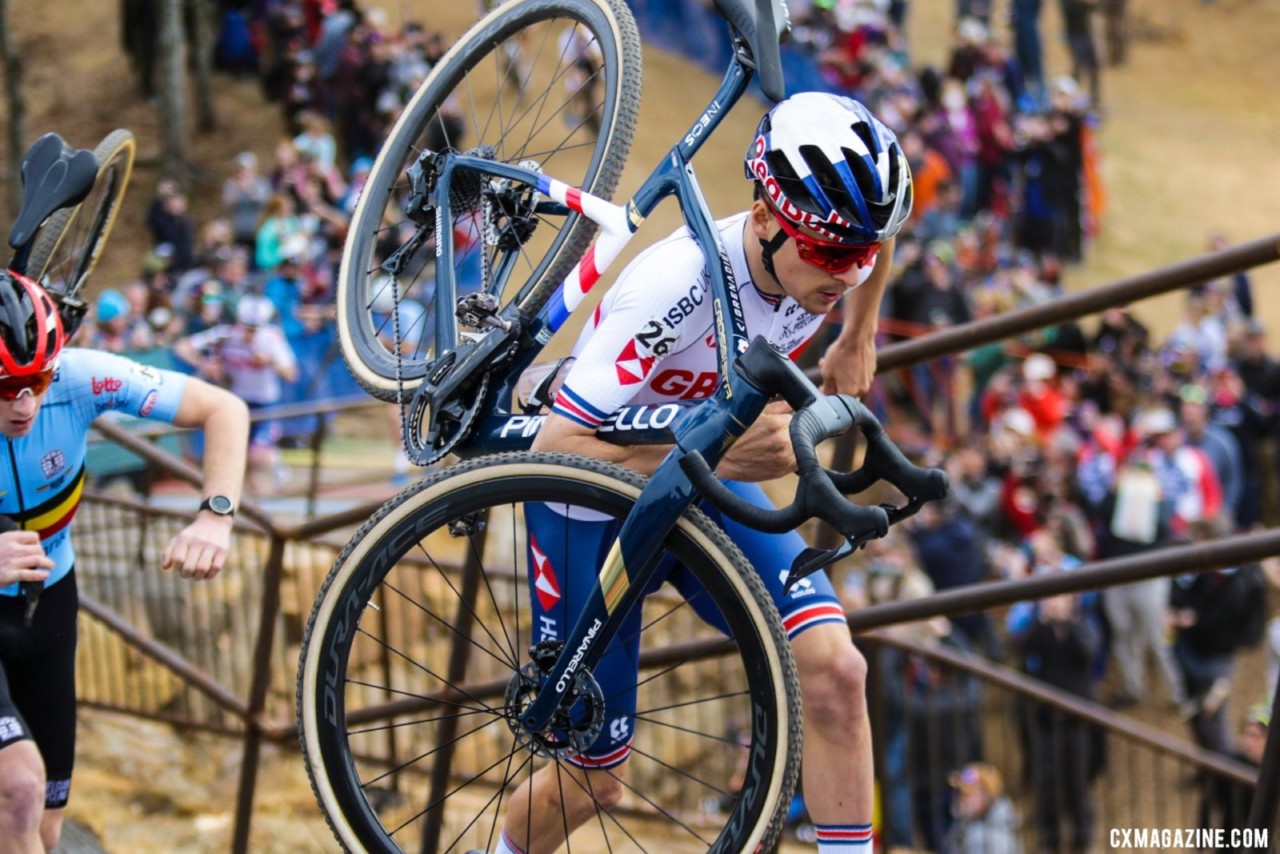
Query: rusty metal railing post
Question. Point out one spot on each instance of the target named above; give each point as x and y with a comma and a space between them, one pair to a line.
459, 657
258, 691
877, 713
1262, 812
317, 445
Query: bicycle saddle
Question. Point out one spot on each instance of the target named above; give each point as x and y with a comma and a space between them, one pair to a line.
54, 176
762, 23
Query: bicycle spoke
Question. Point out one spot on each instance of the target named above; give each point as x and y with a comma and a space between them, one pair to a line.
595, 802
688, 703
496, 796
528, 810
542, 100
471, 99
414, 696
497, 102
638, 716
438, 801
415, 664
663, 672
682, 773
428, 753
546, 35
611, 816
553, 151
508, 777
573, 130
422, 721
502, 623
564, 818
513, 661
451, 627
664, 812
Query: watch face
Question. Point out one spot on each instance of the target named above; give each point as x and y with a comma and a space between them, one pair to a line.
220, 504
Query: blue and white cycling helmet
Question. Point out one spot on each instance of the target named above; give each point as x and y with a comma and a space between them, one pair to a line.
825, 162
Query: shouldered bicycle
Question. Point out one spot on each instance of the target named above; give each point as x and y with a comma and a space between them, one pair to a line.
421, 701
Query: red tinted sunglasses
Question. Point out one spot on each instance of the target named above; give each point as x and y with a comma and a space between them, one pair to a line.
12, 388
825, 254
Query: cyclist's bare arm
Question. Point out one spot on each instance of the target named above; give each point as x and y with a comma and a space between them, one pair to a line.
224, 418
849, 365
564, 435
762, 453
200, 549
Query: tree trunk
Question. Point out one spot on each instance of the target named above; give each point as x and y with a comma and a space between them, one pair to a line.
173, 91
17, 106
203, 33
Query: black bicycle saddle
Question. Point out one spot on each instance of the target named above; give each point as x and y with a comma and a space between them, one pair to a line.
54, 176
762, 23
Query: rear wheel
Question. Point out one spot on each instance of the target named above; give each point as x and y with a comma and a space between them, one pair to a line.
417, 660
69, 243
549, 82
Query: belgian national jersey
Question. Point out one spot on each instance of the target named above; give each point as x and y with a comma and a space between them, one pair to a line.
43, 473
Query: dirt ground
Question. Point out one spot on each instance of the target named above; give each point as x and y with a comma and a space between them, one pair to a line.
1189, 147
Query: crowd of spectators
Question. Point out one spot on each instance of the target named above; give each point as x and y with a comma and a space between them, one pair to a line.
1078, 443
246, 298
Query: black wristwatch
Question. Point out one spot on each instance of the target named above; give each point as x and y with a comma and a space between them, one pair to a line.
219, 504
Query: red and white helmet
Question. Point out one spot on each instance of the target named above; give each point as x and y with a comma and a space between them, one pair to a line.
825, 162
31, 333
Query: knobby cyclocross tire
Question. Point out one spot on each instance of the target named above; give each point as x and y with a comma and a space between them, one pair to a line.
69, 243
404, 696
556, 82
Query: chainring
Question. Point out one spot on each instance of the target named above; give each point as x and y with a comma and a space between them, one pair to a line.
450, 423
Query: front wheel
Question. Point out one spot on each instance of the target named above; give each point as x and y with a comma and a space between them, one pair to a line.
420, 654
554, 83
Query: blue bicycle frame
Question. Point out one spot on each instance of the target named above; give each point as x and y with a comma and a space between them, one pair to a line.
709, 428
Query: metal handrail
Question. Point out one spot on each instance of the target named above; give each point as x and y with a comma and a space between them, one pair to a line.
967, 336
1064, 701
1197, 558
191, 674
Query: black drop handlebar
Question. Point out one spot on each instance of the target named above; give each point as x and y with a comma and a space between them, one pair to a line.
821, 492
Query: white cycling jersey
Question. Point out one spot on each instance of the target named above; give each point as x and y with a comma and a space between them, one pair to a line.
651, 339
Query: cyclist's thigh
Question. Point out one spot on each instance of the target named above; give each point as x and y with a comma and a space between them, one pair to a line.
811, 602
39, 662
565, 555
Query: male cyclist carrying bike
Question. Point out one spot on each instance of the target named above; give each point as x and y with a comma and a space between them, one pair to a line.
48, 397
832, 188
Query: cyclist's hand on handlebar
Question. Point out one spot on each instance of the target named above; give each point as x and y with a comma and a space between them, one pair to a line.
848, 366
22, 558
764, 452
